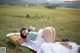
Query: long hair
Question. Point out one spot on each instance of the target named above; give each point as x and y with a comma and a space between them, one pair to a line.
24, 37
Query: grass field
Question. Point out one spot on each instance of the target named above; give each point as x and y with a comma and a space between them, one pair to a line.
66, 21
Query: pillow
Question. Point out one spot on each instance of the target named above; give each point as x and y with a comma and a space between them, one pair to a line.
15, 38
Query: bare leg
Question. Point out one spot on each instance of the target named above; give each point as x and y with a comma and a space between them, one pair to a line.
49, 34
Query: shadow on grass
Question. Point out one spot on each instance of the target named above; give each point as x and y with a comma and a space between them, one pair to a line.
10, 45
19, 49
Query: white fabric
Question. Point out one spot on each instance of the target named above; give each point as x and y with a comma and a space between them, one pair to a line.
32, 28
31, 45
39, 40
75, 47
57, 48
11, 34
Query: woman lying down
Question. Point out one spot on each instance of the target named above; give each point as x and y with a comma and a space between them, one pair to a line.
45, 38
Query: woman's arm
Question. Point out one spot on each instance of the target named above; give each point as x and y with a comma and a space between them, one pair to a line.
21, 40
25, 40
66, 44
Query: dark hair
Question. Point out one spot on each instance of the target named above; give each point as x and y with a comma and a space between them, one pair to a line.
29, 30
24, 37
65, 40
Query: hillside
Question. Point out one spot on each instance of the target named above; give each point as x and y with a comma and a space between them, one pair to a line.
66, 21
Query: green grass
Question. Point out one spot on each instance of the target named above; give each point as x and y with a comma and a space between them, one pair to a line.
12, 18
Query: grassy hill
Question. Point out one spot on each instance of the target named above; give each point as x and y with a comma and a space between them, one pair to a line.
66, 21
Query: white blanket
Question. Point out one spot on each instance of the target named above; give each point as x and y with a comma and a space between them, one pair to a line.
32, 45
57, 48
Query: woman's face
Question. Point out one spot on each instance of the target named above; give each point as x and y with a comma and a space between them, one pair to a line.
25, 32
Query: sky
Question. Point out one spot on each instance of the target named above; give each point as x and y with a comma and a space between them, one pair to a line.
57, 0
65, 0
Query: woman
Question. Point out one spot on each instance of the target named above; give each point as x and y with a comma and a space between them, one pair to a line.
46, 34
27, 34
23, 34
